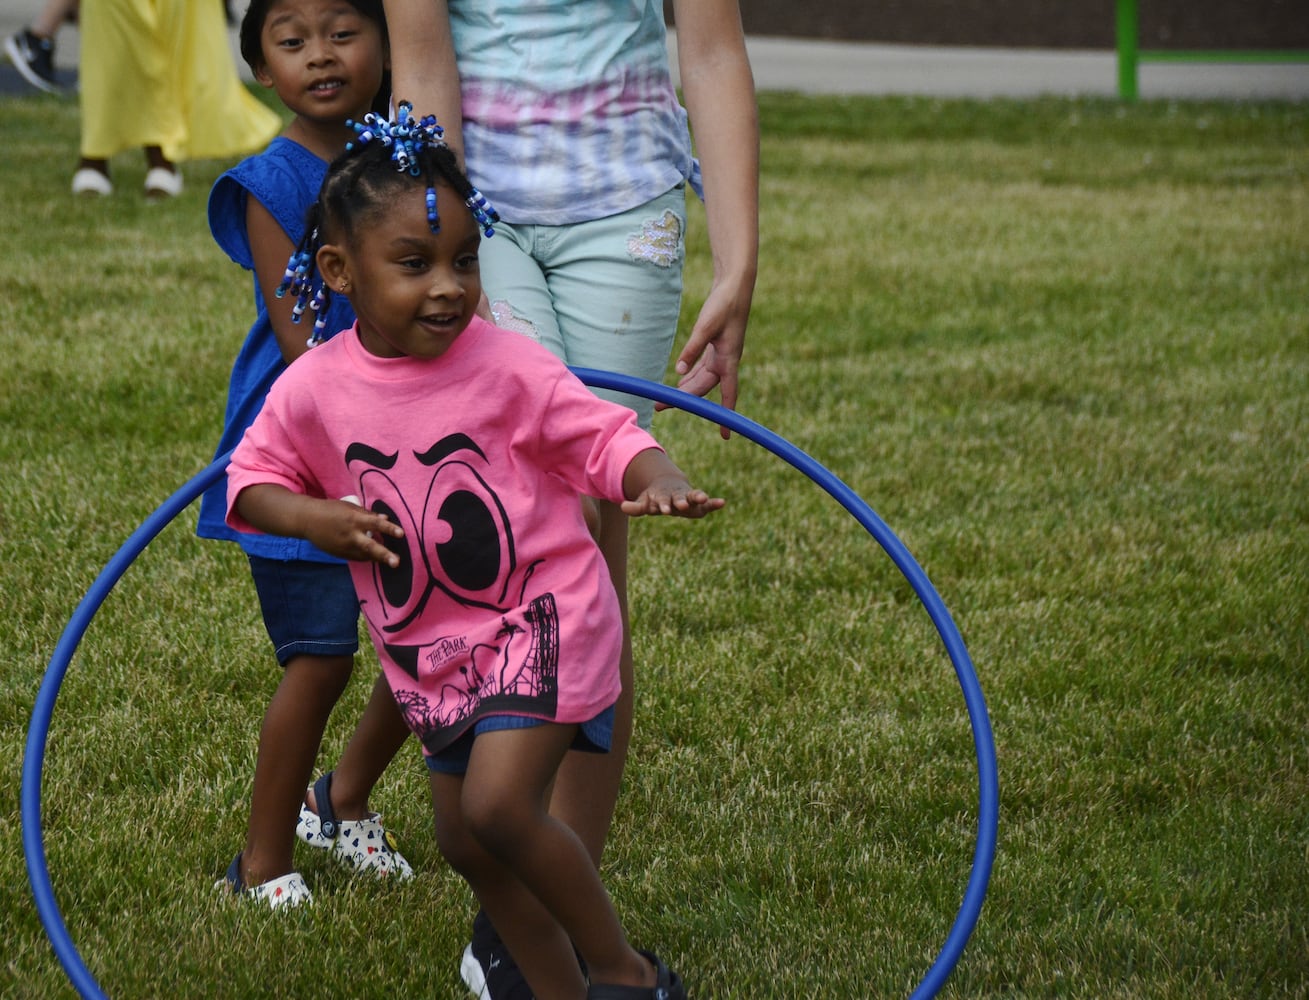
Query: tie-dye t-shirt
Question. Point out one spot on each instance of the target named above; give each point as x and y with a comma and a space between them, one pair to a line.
570, 113
502, 603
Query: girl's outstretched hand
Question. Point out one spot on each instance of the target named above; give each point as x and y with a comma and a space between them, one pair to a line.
672, 496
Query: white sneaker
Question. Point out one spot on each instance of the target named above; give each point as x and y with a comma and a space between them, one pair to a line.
160, 182
91, 183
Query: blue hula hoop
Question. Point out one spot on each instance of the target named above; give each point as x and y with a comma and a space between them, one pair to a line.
965, 920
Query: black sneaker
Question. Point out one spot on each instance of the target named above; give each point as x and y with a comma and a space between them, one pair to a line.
487, 967
34, 58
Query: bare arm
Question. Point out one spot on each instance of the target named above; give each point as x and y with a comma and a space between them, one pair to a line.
718, 89
654, 485
338, 527
271, 248
423, 69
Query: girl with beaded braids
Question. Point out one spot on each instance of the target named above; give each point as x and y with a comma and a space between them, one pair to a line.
338, 199
443, 457
327, 62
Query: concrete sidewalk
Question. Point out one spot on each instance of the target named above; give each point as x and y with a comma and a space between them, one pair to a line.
822, 67
851, 68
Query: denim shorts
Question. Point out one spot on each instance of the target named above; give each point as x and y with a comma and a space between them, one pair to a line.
604, 294
309, 608
594, 736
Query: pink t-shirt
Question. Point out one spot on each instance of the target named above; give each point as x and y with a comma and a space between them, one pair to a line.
502, 603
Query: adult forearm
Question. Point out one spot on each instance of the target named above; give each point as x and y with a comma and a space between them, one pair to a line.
718, 90
423, 67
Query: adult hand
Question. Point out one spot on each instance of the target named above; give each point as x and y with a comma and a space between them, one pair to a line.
712, 355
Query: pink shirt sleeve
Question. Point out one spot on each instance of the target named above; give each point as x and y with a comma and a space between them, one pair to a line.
268, 453
593, 436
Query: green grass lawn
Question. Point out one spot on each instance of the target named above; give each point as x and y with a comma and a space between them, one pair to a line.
1062, 348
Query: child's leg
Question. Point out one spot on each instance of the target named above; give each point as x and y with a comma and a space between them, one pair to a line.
377, 738
599, 277
504, 809
288, 745
334, 813
586, 788
538, 944
311, 613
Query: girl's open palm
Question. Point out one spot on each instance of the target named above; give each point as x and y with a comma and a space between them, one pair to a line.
672, 498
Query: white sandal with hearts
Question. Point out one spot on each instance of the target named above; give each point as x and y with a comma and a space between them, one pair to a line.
287, 890
363, 844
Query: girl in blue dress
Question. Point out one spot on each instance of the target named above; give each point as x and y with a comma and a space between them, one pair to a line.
327, 62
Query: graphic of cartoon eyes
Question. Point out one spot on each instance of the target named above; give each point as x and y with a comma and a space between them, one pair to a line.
467, 537
403, 589
461, 546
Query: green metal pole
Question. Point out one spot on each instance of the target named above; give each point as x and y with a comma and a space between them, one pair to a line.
1128, 49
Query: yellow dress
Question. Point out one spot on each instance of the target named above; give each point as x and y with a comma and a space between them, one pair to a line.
161, 73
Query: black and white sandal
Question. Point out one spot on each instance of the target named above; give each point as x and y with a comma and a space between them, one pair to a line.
363, 844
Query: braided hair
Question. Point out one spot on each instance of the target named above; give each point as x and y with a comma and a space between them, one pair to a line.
385, 157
